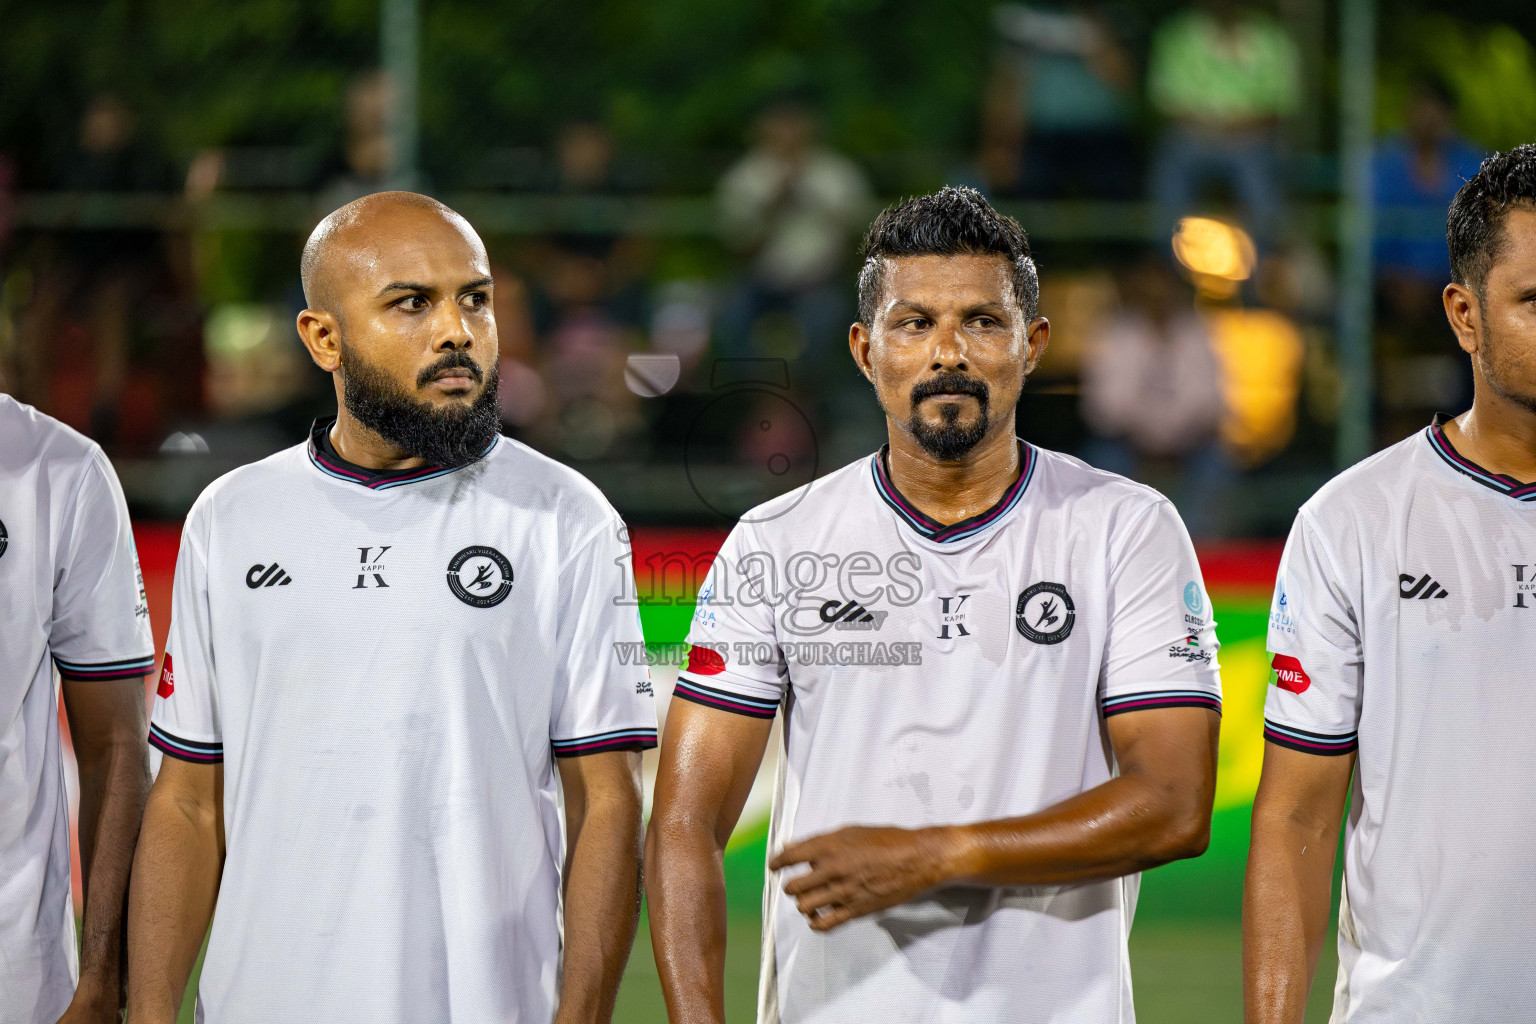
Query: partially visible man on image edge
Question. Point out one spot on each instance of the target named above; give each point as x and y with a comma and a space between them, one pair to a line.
385, 643
955, 837
1403, 630
71, 596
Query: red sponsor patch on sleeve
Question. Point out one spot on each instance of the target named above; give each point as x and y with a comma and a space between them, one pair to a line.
167, 679
704, 661
1289, 675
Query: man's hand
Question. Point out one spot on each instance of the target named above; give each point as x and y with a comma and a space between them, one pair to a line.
857, 871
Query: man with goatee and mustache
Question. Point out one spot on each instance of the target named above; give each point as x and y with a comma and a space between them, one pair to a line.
998, 679
385, 643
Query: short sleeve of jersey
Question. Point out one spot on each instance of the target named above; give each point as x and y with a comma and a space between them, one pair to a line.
734, 660
185, 720
1313, 703
100, 627
1160, 650
603, 695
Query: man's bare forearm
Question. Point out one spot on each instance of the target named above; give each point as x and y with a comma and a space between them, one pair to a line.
602, 906
685, 888
114, 786
1296, 817
175, 885
1125, 825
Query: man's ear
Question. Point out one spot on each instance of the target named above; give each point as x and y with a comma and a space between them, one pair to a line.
1039, 338
1465, 314
320, 333
858, 345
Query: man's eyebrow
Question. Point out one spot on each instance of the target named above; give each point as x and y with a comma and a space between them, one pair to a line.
479, 282
404, 286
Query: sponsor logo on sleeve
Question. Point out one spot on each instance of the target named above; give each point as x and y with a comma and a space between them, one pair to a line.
704, 661
1289, 675
167, 679
1283, 619
1190, 650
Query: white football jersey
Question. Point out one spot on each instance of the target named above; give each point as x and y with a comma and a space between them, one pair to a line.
388, 665
70, 596
935, 675
1404, 625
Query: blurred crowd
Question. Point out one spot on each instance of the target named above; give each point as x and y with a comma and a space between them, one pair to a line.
1187, 352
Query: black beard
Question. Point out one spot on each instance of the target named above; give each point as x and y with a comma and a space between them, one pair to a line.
950, 442
449, 437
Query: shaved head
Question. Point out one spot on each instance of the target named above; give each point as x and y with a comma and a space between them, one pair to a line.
400, 313
351, 238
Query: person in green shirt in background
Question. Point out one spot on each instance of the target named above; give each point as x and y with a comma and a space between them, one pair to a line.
1223, 76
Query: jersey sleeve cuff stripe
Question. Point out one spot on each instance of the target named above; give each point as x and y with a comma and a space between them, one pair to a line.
1310, 742
618, 739
735, 703
128, 668
185, 750
1161, 699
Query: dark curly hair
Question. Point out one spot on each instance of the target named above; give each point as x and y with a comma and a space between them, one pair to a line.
1474, 229
950, 222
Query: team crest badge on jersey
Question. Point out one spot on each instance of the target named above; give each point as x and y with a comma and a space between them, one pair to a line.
480, 576
1044, 614
5, 539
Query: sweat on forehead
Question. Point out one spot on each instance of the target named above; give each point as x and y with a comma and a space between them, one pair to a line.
365, 225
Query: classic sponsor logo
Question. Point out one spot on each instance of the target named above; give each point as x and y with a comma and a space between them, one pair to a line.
167, 678
1194, 600
952, 616
1045, 613
1289, 675
1423, 588
643, 688
258, 576
370, 564
480, 576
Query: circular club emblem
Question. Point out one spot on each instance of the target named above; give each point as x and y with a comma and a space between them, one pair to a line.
1044, 613
4, 538
480, 576
1193, 599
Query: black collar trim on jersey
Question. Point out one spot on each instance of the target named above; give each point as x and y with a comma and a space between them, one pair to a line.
1500, 482
328, 461
935, 530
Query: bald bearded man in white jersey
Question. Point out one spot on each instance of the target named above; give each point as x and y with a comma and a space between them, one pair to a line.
1404, 638
997, 673
390, 667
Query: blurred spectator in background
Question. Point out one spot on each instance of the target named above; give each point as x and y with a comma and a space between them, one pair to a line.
521, 393
1415, 174
368, 154
1057, 112
1223, 75
587, 313
1151, 394
88, 285
793, 210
